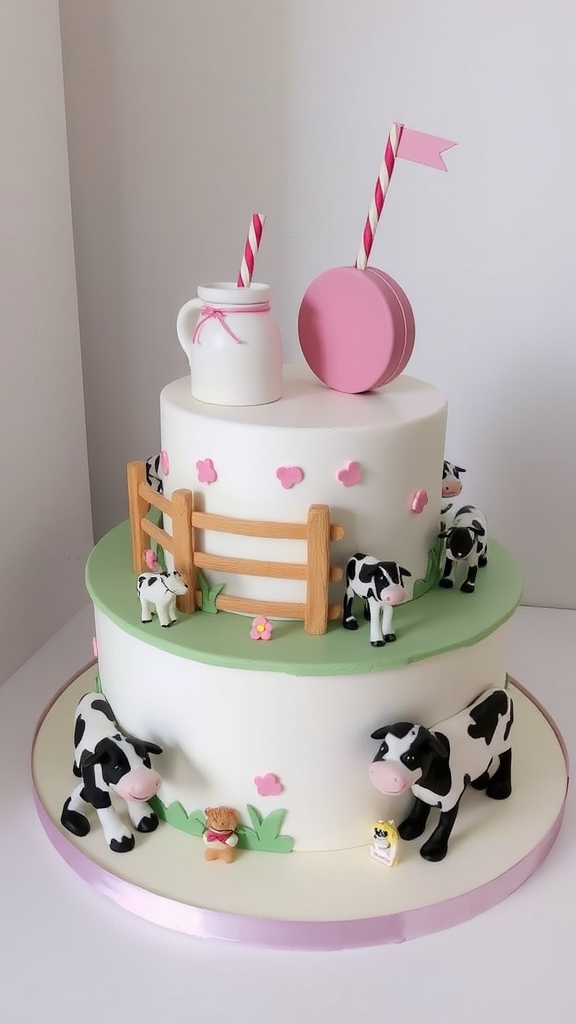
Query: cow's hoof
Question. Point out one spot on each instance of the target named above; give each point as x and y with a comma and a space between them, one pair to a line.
123, 845
148, 824
166, 625
411, 829
350, 624
499, 790
146, 620
467, 588
482, 562
74, 821
446, 584
377, 643
481, 782
433, 851
389, 638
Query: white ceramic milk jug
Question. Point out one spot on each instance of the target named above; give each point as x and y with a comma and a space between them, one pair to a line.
233, 345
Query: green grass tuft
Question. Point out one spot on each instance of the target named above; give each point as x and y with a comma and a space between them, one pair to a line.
209, 594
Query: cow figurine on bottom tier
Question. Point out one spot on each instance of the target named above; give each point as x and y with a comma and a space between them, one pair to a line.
159, 590
466, 541
471, 748
381, 586
109, 762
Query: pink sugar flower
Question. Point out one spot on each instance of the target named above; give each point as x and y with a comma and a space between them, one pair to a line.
261, 628
268, 785
206, 472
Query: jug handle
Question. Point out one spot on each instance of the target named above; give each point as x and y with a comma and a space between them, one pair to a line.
186, 323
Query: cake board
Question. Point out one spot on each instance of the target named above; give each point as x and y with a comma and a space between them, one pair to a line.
325, 900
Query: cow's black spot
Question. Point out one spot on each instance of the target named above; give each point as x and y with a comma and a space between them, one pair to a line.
486, 715
510, 720
99, 704
79, 730
91, 792
367, 571
151, 580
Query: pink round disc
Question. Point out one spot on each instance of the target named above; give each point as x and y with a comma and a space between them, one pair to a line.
356, 329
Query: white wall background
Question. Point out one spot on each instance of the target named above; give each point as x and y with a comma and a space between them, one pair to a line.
45, 525
184, 117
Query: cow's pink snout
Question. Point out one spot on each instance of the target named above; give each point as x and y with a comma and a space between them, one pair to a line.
140, 784
394, 595
451, 488
389, 777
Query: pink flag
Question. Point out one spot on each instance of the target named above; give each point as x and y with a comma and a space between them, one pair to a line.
422, 148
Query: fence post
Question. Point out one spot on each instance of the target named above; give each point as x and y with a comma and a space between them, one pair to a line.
317, 569
138, 509
182, 507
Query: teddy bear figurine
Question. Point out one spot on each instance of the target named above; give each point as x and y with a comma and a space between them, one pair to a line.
220, 835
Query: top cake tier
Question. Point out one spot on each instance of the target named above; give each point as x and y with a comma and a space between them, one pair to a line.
375, 459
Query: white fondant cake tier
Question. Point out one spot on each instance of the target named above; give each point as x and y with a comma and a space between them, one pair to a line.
366, 456
222, 727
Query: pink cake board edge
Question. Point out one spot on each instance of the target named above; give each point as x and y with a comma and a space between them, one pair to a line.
300, 935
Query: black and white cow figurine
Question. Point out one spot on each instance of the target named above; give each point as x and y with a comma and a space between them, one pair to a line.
154, 473
109, 762
466, 541
158, 591
451, 483
471, 748
381, 586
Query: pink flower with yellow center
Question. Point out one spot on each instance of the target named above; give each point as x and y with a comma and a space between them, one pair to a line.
261, 628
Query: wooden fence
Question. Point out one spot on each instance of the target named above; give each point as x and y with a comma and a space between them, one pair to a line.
317, 572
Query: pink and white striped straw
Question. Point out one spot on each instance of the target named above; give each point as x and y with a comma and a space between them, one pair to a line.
380, 191
250, 249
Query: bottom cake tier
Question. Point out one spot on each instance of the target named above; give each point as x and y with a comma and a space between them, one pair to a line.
328, 900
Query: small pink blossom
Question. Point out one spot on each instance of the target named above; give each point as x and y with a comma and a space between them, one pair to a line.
151, 562
350, 474
206, 472
261, 628
289, 475
268, 785
164, 463
419, 501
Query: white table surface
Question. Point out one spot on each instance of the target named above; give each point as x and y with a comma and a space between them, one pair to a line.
67, 954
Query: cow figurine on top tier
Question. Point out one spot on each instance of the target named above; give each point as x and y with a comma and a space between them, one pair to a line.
467, 542
381, 587
471, 748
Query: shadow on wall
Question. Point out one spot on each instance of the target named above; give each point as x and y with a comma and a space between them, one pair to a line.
175, 116
525, 466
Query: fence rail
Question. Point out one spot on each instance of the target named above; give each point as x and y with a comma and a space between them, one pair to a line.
317, 572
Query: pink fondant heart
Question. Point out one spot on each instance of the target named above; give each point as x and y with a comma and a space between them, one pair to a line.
289, 475
419, 501
206, 472
350, 475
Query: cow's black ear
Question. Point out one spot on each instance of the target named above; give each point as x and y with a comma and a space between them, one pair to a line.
437, 745
405, 572
98, 757
143, 746
478, 528
459, 469
152, 748
379, 734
